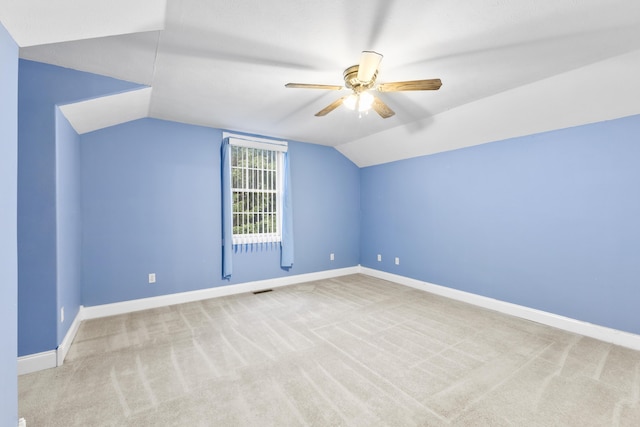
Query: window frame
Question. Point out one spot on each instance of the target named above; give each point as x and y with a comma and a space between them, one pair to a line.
278, 148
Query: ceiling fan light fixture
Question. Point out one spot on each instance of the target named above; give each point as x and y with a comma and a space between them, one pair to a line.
359, 101
366, 101
351, 101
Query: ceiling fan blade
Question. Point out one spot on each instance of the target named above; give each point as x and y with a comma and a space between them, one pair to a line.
369, 61
382, 108
312, 86
329, 108
430, 84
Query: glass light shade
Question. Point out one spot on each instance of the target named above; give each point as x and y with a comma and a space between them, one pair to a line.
366, 100
351, 101
362, 102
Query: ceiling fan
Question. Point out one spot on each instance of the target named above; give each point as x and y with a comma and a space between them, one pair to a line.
361, 78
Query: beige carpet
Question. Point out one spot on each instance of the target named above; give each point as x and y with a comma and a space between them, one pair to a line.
352, 351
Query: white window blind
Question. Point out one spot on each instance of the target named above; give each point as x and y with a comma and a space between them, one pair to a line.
256, 187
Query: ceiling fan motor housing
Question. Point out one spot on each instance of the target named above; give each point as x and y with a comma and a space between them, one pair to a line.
351, 80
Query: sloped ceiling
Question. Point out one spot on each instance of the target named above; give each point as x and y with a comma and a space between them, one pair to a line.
508, 68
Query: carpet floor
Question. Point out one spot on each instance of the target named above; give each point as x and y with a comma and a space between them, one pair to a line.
349, 351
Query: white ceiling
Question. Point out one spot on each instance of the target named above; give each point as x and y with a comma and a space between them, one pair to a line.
508, 68
99, 113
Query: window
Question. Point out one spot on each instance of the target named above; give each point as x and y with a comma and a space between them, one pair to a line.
256, 191
256, 197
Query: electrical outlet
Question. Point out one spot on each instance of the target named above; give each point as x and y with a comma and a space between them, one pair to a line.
379, 257
61, 314
332, 256
152, 277
397, 261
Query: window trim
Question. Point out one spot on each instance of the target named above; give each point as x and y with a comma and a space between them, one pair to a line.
255, 142
263, 144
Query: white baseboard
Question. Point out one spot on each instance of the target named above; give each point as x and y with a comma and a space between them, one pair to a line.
602, 333
36, 362
105, 310
64, 346
51, 359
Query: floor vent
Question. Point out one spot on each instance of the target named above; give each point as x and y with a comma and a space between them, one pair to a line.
262, 291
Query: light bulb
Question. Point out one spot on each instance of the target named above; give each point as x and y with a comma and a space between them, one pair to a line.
366, 100
351, 101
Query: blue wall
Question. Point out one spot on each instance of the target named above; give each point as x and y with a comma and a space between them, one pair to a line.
68, 223
151, 204
8, 229
549, 221
40, 88
144, 197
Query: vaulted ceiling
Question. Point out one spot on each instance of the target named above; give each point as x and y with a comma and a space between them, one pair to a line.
508, 68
